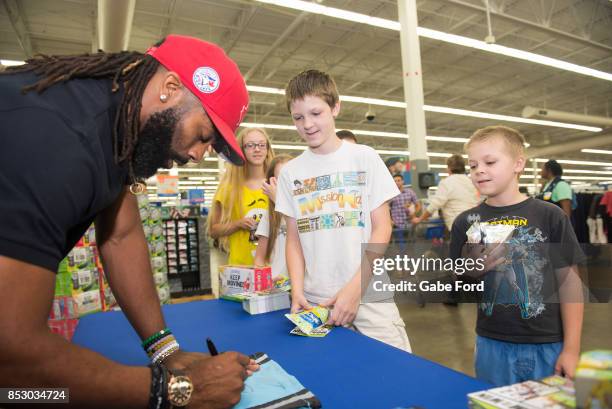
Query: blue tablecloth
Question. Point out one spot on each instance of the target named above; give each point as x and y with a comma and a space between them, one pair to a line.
344, 369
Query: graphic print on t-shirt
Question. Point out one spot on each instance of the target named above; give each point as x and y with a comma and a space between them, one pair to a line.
520, 280
330, 201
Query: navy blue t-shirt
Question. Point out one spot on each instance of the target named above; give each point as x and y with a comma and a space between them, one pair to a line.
520, 303
57, 169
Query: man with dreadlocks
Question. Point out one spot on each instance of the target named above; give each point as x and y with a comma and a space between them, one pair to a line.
78, 135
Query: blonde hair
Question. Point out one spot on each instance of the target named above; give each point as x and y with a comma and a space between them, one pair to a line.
275, 217
231, 184
514, 140
313, 83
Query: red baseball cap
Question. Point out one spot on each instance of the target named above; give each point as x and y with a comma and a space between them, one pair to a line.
215, 79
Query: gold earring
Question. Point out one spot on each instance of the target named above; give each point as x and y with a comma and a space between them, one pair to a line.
163, 97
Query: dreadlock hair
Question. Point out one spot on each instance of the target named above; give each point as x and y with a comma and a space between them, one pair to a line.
129, 70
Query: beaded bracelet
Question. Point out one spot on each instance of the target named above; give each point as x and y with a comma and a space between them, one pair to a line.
160, 356
158, 395
156, 337
160, 345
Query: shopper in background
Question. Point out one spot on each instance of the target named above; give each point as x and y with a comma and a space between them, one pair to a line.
334, 197
455, 194
78, 134
272, 229
346, 135
519, 335
395, 165
240, 201
402, 206
556, 190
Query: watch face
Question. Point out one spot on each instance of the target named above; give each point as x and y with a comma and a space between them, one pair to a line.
180, 389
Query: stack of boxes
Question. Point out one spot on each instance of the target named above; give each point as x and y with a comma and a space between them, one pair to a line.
81, 287
77, 287
151, 217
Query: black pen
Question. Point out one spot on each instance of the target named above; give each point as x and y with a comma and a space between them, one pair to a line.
211, 347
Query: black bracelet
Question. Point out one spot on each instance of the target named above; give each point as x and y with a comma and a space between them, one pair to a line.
158, 396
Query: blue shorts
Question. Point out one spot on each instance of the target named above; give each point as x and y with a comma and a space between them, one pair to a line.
504, 363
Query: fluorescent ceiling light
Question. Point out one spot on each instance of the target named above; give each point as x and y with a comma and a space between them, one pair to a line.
447, 139
596, 151
202, 178
594, 172
577, 162
373, 101
586, 177
191, 170
10, 63
441, 36
265, 90
268, 126
290, 147
428, 108
571, 177
508, 118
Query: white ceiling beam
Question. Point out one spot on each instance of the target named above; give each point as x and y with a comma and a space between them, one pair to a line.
172, 8
468, 56
243, 21
533, 24
281, 39
574, 145
115, 24
16, 17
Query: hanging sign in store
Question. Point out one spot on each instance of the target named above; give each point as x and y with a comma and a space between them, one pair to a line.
167, 185
195, 196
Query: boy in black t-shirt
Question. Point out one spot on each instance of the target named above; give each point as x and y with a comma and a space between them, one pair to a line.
522, 333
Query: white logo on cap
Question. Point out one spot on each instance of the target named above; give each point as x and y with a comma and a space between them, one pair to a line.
206, 80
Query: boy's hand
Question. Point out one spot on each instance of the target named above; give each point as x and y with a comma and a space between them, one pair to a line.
491, 254
269, 189
345, 303
567, 363
299, 303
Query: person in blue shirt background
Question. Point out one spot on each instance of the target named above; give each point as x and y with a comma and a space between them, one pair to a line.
556, 190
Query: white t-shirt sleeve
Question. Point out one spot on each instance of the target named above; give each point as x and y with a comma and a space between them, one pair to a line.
263, 228
439, 199
284, 198
381, 185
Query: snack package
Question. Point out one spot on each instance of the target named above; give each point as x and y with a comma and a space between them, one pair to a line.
594, 380
282, 283
483, 233
308, 320
316, 333
240, 279
263, 302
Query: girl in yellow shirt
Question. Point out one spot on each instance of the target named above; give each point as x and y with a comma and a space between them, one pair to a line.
240, 202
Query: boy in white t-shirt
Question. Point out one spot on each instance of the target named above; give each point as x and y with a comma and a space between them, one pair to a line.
335, 200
